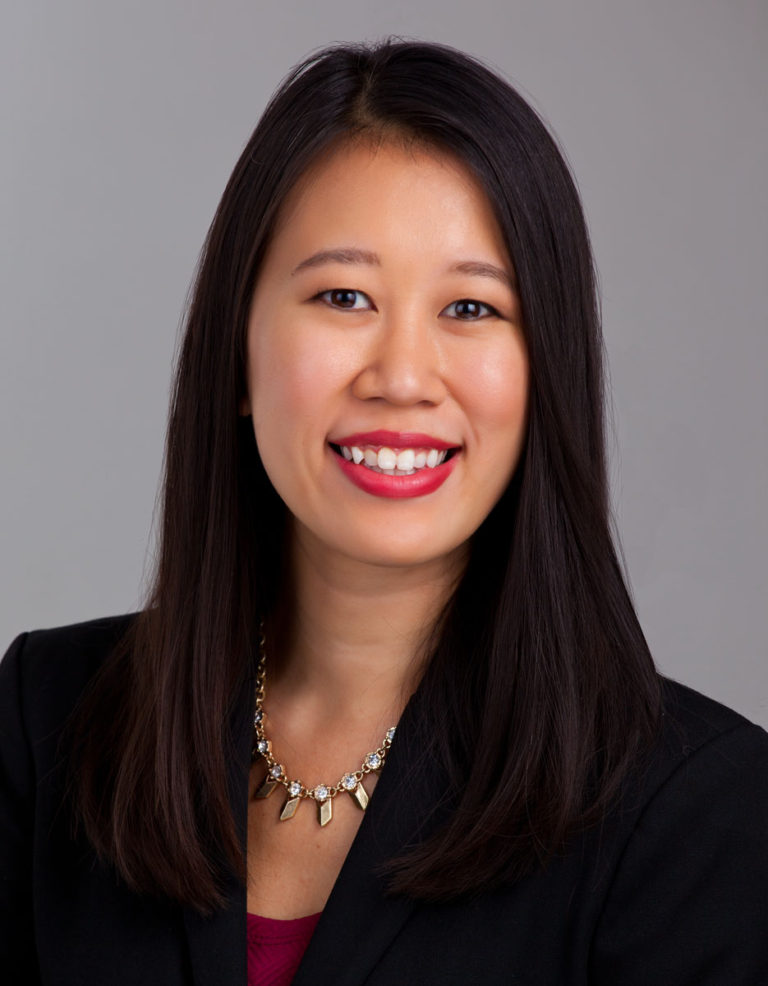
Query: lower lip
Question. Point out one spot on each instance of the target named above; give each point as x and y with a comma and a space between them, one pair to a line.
421, 483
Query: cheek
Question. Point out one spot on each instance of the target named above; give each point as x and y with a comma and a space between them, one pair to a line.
293, 374
495, 384
280, 373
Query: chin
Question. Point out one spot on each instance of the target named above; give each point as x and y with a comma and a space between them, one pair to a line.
382, 544
405, 555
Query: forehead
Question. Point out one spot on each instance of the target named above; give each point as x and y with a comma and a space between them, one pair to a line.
401, 194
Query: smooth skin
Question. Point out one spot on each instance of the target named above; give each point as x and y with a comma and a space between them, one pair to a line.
386, 301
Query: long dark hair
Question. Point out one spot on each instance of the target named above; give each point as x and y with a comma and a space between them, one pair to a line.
540, 692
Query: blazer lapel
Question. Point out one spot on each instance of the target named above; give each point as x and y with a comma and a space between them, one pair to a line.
359, 922
217, 943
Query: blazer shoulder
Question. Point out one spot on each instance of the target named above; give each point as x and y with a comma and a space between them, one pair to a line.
699, 732
45, 671
85, 643
90, 633
691, 720
690, 856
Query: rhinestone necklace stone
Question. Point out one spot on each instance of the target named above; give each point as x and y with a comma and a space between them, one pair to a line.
321, 794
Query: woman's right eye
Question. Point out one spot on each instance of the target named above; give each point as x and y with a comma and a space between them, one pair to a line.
346, 298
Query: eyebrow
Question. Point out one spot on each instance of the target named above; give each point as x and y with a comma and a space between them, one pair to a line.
348, 255
352, 255
479, 268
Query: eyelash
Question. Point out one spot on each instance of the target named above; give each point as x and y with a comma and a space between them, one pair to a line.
324, 296
490, 311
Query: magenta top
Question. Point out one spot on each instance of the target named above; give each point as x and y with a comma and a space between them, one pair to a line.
275, 948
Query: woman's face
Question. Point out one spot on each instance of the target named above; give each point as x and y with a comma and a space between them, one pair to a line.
387, 372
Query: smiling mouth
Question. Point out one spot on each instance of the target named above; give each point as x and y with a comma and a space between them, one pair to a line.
392, 461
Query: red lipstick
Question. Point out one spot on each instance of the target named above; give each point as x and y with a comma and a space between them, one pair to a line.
393, 439
420, 483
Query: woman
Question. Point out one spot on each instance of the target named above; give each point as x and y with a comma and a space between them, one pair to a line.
388, 712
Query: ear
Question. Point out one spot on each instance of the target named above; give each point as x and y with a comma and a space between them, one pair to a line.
245, 406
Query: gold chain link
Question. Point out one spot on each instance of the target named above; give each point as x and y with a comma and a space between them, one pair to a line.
266, 753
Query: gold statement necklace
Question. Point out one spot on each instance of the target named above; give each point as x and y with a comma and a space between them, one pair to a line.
321, 794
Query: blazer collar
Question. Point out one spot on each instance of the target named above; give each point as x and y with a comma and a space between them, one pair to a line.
359, 921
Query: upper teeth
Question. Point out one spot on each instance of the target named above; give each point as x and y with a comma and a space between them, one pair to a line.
390, 461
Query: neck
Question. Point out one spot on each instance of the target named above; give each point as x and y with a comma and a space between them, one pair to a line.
352, 638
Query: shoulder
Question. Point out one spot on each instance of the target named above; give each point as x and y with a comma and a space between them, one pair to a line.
700, 793
706, 756
691, 854
700, 716
704, 794
85, 642
87, 639
44, 672
697, 730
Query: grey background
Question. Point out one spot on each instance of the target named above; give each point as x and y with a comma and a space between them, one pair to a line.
120, 125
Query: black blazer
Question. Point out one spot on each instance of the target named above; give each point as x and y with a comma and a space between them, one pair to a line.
671, 890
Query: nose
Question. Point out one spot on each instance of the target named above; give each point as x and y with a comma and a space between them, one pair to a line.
402, 364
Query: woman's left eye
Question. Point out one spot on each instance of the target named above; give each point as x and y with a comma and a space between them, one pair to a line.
346, 298
468, 310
